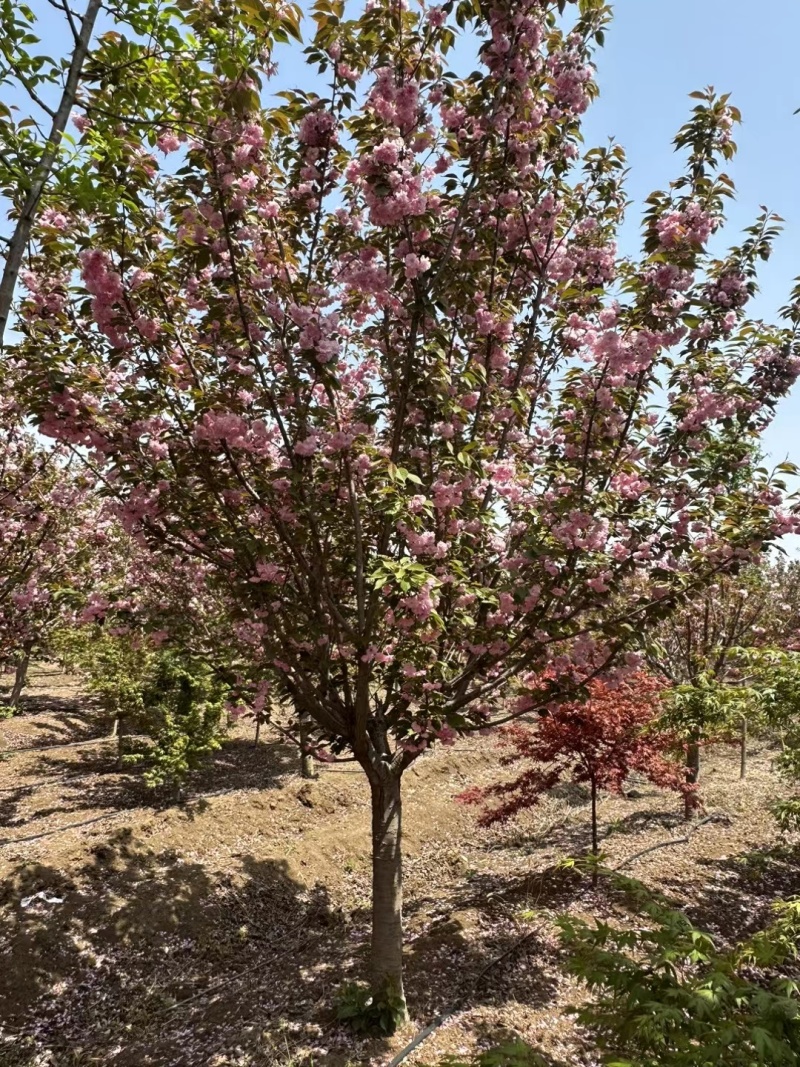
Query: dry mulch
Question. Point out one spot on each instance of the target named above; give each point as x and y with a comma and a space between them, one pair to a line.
214, 931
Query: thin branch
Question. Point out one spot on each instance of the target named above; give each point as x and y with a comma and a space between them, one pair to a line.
22, 230
26, 84
71, 16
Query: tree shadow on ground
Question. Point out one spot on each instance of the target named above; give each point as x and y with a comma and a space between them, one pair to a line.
491, 1038
489, 949
736, 897
644, 820
461, 961
10, 801
56, 720
92, 779
554, 887
109, 784
142, 957
145, 957
567, 835
239, 764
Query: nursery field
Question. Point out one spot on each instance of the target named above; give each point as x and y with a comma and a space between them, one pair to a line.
215, 930
399, 535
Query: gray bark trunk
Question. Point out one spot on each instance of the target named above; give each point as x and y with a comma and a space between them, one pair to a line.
387, 893
306, 759
20, 679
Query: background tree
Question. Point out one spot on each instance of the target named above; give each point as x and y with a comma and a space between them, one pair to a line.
362, 356
596, 742
141, 52
774, 680
48, 532
699, 649
170, 700
160, 659
29, 155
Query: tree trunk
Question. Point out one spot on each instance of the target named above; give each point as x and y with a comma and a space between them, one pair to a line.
121, 731
306, 759
595, 847
743, 752
692, 776
20, 678
387, 894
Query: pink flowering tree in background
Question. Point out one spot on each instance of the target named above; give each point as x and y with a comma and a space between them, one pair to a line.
372, 358
144, 647
47, 536
149, 621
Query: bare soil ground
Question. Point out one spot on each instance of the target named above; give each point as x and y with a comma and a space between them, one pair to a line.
136, 930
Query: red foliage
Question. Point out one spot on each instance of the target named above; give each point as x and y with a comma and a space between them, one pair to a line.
598, 741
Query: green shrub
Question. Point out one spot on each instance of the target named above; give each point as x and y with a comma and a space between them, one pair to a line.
168, 695
182, 711
365, 1014
665, 996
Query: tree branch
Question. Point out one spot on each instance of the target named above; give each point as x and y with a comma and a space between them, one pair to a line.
22, 230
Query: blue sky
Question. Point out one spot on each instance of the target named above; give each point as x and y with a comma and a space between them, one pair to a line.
656, 53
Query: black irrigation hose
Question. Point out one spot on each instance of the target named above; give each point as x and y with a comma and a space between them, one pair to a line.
6, 753
462, 1000
684, 839
69, 778
48, 833
43, 783
214, 988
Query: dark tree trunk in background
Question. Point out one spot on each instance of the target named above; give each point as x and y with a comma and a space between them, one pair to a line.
306, 759
692, 776
595, 846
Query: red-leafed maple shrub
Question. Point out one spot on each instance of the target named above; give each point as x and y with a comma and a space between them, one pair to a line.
598, 742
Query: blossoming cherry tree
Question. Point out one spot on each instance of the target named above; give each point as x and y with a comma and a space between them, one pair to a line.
372, 355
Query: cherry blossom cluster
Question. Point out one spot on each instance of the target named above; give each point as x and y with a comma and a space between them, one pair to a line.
373, 363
